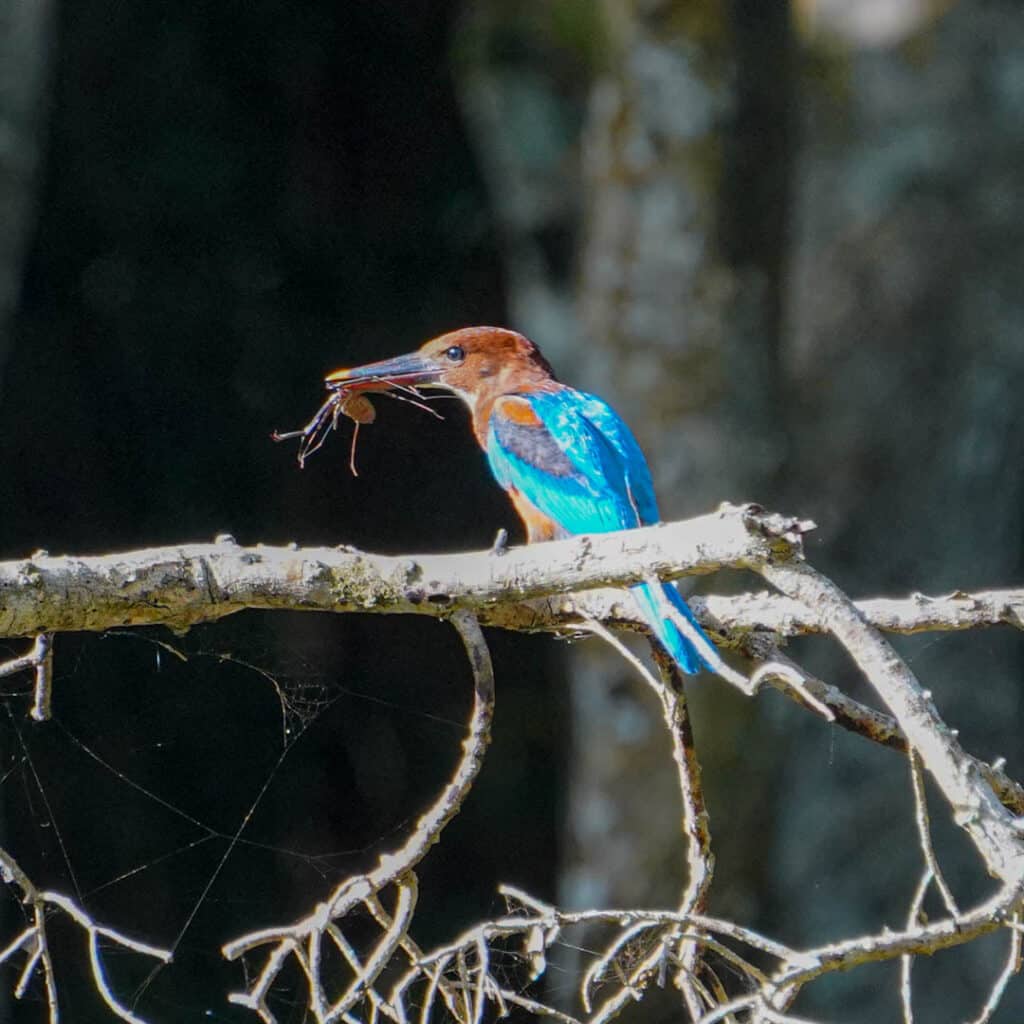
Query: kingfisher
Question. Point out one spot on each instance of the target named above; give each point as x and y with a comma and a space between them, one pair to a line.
567, 460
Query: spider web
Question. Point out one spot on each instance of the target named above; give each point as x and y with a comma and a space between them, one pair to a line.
179, 786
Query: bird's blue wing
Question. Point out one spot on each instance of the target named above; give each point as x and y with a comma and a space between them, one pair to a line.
577, 463
571, 456
613, 429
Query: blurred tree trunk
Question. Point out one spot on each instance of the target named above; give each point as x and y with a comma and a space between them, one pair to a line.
686, 170
906, 361
26, 44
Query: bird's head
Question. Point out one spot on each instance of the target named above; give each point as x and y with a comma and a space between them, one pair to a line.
472, 362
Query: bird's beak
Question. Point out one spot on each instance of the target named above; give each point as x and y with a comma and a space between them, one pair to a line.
409, 370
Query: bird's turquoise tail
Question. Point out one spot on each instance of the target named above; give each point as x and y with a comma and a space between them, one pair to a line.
692, 654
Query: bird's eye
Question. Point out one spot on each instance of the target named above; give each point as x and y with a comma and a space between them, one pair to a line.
455, 354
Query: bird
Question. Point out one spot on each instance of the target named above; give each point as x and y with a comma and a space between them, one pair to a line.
567, 460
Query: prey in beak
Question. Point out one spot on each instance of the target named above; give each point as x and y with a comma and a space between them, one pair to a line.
398, 378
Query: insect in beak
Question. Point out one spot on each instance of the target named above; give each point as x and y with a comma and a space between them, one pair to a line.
348, 397
357, 408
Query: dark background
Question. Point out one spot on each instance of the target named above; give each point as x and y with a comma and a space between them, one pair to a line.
786, 243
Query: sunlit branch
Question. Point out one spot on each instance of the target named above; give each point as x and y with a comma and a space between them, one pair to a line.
561, 587
32, 941
918, 613
519, 588
696, 827
40, 660
995, 833
1010, 968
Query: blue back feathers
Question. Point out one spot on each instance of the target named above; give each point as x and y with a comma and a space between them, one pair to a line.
576, 461
573, 458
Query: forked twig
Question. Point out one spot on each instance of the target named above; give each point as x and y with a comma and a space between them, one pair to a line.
33, 942
40, 659
924, 832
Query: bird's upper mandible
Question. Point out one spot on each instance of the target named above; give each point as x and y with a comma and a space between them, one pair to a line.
479, 364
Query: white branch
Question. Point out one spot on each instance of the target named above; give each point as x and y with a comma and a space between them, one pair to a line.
181, 586
917, 613
33, 941
40, 660
555, 587
996, 834
519, 588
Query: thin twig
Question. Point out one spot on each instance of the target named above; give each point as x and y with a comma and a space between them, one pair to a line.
537, 1008
700, 860
33, 941
924, 833
761, 1012
602, 965
40, 660
932, 873
787, 674
696, 825
1010, 968
907, 960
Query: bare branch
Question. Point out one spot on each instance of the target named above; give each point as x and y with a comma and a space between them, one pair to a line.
557, 587
33, 941
995, 833
924, 939
194, 583
925, 834
202, 582
696, 824
40, 660
907, 960
918, 613
513, 588
302, 940
1011, 968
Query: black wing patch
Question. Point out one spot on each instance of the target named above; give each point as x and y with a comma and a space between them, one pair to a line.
534, 446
